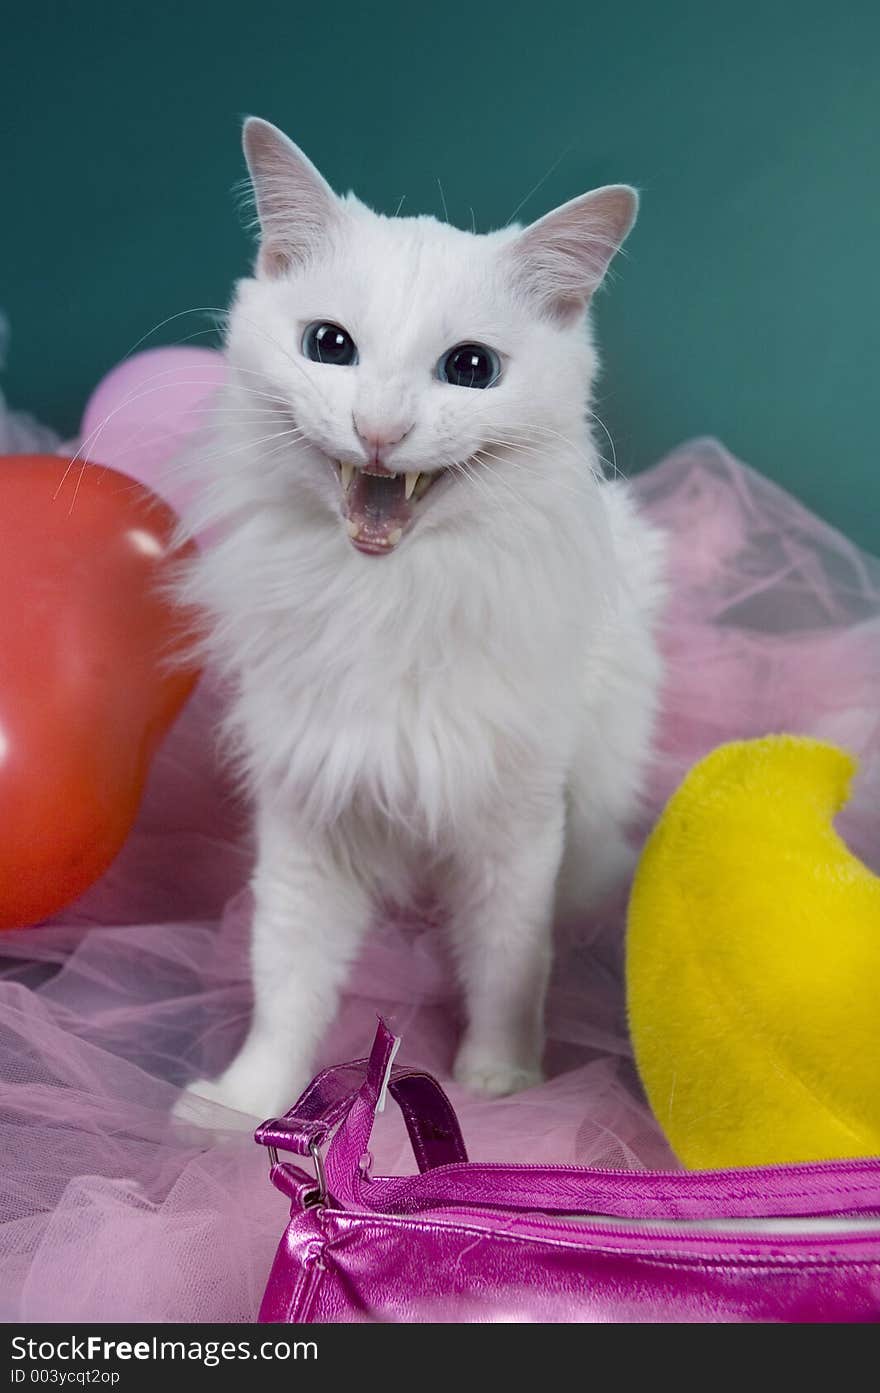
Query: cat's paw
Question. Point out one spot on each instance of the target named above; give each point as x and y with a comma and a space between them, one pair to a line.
239, 1089
204, 1103
493, 1077
190, 1104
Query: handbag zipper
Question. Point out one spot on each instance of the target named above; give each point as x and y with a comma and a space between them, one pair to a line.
778, 1227
721, 1232
847, 1220
399, 1190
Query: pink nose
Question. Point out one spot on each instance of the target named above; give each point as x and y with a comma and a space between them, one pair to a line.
380, 436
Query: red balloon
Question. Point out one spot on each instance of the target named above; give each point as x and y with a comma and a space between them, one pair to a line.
86, 687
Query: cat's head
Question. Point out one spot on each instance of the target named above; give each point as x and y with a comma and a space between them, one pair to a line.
418, 368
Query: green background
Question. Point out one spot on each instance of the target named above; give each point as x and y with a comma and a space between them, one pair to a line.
747, 306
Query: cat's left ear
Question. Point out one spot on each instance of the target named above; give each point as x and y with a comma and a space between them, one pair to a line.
295, 205
561, 259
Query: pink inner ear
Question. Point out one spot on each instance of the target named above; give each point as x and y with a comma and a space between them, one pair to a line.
562, 259
295, 205
273, 261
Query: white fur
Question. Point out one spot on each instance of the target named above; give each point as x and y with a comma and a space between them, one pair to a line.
468, 718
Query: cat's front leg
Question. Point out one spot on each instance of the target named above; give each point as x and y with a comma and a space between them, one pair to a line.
310, 915
502, 922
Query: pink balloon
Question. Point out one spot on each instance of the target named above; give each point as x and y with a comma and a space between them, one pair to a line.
142, 413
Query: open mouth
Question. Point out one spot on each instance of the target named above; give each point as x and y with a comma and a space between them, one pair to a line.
379, 506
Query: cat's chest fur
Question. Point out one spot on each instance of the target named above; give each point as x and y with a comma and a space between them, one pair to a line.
412, 693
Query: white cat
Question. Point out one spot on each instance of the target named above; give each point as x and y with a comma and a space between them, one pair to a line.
437, 615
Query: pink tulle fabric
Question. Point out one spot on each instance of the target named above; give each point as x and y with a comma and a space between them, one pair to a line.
111, 1210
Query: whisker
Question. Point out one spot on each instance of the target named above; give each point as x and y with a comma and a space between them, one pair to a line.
465, 470
443, 200
544, 177
194, 309
532, 428
153, 436
225, 314
548, 480
540, 447
87, 445
292, 436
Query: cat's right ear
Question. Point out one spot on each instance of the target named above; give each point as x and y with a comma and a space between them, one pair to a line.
561, 259
295, 205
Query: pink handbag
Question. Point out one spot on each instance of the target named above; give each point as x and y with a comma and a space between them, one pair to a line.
462, 1241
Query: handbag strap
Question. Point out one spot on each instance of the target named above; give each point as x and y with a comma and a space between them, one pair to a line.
429, 1116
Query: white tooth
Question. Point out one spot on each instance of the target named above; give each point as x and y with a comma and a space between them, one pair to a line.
395, 536
409, 486
353, 528
346, 472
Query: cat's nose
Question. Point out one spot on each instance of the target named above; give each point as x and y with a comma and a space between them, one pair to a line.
378, 436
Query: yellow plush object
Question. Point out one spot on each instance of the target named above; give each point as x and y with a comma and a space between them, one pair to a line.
753, 963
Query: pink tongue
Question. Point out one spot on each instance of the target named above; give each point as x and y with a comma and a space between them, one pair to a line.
377, 506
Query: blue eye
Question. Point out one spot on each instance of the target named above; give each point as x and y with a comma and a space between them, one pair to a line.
470, 365
329, 343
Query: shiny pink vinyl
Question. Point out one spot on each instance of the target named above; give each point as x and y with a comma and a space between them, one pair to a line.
487, 1243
